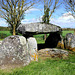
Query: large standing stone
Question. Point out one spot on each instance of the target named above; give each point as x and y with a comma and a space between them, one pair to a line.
70, 41
32, 46
14, 50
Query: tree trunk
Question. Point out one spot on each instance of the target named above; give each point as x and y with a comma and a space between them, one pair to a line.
45, 36
74, 31
14, 26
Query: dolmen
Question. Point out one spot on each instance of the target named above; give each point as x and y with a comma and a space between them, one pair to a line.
54, 31
21, 50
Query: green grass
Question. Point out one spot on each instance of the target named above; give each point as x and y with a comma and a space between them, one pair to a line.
1, 39
39, 37
6, 32
65, 32
46, 67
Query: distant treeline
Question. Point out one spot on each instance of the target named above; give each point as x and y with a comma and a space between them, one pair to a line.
4, 28
69, 29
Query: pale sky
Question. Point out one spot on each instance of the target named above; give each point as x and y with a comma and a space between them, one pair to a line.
60, 17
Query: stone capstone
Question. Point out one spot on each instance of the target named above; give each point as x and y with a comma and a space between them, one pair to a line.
36, 28
69, 41
53, 53
32, 47
14, 50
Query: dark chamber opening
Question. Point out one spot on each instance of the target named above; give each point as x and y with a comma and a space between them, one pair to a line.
51, 41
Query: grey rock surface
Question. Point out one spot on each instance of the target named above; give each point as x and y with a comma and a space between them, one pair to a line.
36, 28
14, 50
32, 47
0, 42
52, 52
61, 43
69, 40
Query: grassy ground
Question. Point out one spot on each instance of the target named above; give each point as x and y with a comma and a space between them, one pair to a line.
46, 67
6, 32
39, 37
65, 32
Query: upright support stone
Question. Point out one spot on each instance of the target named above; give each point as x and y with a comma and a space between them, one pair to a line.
61, 43
70, 41
32, 46
14, 51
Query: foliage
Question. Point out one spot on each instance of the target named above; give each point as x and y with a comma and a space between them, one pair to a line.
70, 6
50, 6
13, 11
68, 29
46, 16
49, 9
4, 28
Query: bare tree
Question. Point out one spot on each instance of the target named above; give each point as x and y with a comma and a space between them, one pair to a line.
51, 5
70, 6
13, 10
49, 9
